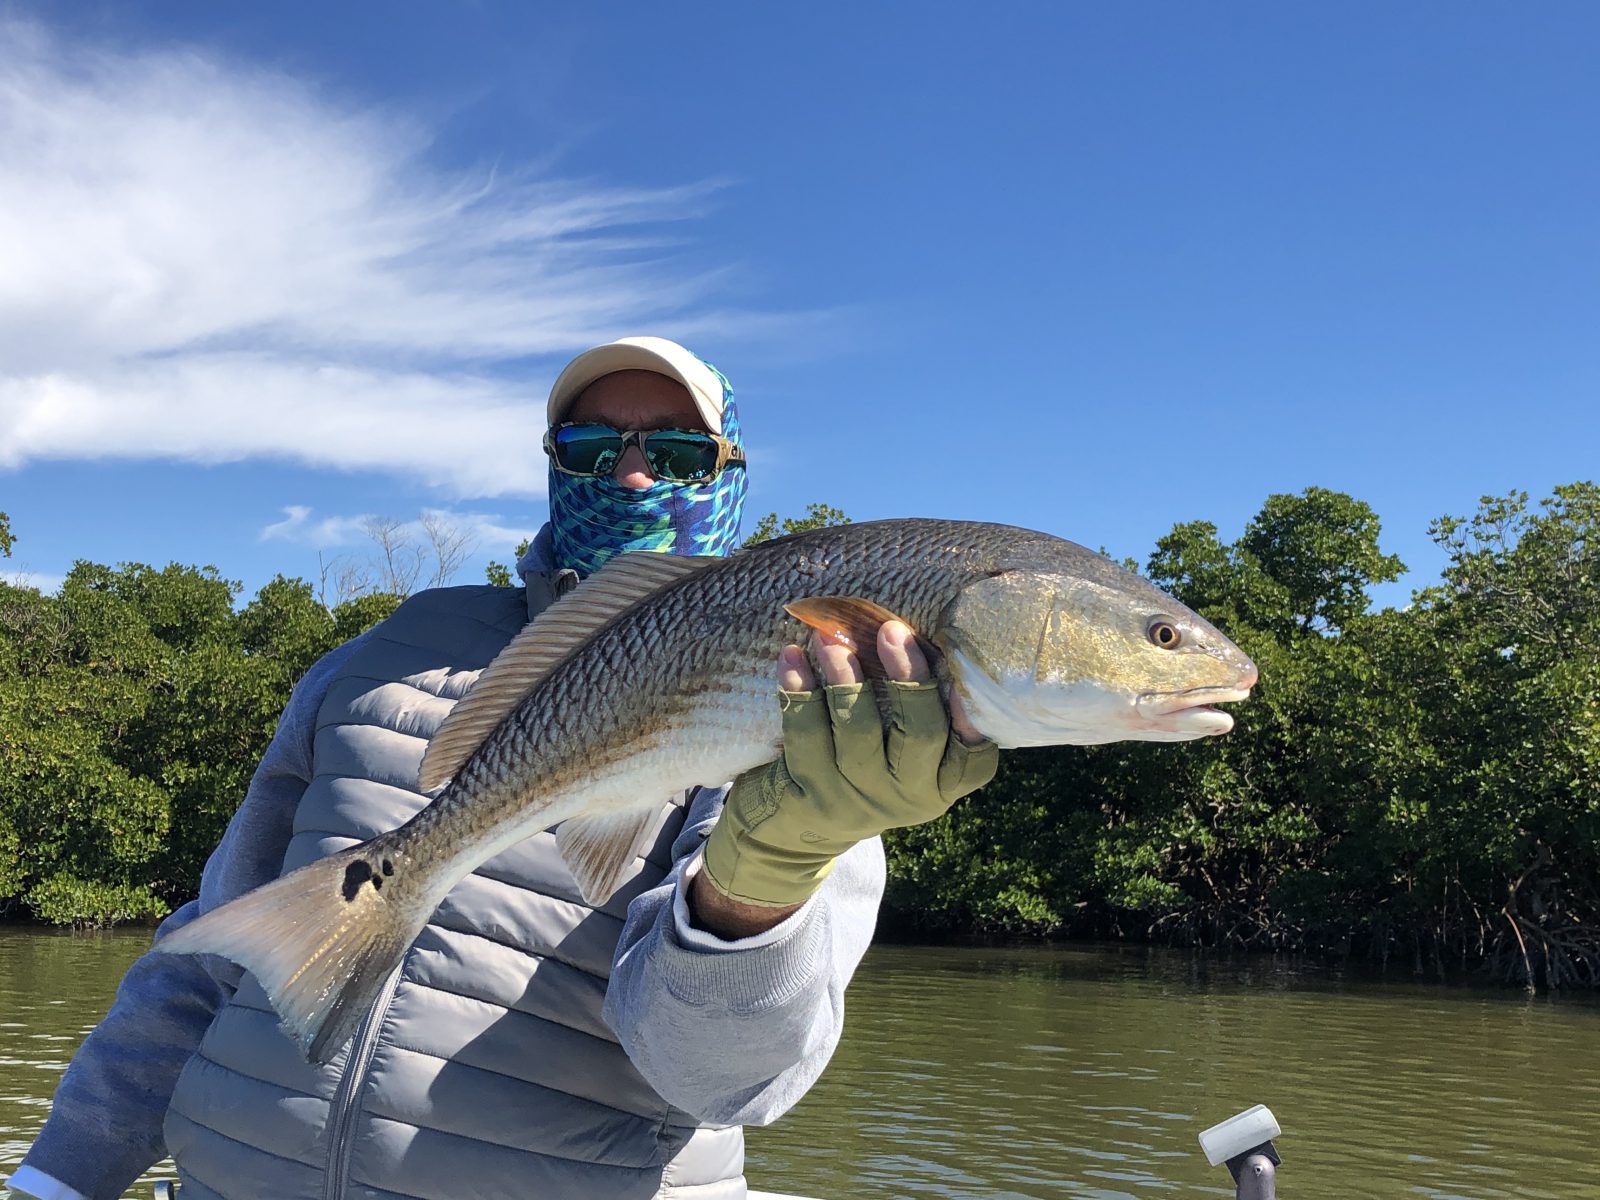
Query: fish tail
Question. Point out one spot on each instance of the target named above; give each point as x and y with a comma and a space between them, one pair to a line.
321, 941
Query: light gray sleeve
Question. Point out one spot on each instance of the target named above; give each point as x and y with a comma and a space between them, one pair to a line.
104, 1127
738, 1036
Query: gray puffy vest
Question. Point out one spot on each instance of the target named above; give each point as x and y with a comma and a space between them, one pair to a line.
485, 1071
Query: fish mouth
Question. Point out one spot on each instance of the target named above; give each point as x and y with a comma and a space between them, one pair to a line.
1190, 712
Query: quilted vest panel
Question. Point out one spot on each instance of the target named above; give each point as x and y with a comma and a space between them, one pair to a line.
486, 1069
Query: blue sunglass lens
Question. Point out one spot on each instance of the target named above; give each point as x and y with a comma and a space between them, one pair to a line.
587, 449
680, 455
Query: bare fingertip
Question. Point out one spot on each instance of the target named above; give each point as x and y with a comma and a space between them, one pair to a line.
894, 633
794, 672
902, 658
839, 665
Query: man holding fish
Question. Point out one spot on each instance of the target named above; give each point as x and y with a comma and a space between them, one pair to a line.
506, 934
490, 1064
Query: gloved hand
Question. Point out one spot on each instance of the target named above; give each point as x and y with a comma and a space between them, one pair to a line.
843, 777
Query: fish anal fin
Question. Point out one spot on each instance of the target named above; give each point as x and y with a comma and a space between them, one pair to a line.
848, 621
597, 848
543, 643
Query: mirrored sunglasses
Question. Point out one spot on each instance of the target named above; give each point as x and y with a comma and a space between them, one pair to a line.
678, 455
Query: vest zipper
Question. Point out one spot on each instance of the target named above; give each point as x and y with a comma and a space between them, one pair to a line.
342, 1117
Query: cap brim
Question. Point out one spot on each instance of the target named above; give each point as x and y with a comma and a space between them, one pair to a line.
639, 354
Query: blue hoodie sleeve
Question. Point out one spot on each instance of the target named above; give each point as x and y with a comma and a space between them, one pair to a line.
738, 1035
105, 1122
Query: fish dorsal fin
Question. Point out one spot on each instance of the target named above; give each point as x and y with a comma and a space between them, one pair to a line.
543, 642
598, 847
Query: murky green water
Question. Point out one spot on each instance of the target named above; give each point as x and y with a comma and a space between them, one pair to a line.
1078, 1073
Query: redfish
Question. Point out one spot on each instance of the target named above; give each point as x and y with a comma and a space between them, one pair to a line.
657, 674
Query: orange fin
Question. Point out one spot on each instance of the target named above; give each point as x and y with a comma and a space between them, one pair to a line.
848, 621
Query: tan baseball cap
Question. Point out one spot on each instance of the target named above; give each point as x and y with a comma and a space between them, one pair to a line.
640, 354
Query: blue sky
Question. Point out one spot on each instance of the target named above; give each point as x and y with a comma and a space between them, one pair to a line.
266, 270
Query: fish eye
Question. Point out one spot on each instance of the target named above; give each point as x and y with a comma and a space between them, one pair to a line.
1164, 634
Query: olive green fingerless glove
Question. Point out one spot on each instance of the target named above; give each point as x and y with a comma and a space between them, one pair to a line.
843, 778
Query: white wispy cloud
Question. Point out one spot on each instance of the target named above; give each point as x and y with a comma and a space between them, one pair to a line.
33, 579
488, 533
204, 260
493, 537
322, 533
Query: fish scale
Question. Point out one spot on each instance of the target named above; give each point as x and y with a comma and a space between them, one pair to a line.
657, 674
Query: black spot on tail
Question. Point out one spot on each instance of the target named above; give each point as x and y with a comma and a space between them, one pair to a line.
355, 875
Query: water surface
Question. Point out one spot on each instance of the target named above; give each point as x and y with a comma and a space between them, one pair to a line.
1078, 1072
1090, 1072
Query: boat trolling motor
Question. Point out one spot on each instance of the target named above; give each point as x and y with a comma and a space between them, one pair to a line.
1244, 1143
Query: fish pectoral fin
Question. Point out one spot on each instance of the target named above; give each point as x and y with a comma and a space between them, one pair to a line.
598, 847
853, 623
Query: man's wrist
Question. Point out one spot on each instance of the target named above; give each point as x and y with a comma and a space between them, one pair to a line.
716, 912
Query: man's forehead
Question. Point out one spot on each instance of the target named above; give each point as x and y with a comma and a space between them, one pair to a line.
639, 399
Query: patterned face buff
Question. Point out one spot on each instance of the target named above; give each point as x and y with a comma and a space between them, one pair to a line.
596, 519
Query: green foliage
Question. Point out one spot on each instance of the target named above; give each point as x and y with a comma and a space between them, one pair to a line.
1304, 563
818, 516
66, 900
996, 864
6, 540
1423, 783
499, 575
134, 706
362, 613
1321, 548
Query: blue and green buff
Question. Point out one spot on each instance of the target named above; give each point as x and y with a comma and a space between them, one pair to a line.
593, 520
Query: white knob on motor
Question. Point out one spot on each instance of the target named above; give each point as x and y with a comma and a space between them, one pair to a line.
1238, 1134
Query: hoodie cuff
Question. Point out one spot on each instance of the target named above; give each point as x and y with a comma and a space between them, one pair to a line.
758, 974
31, 1181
